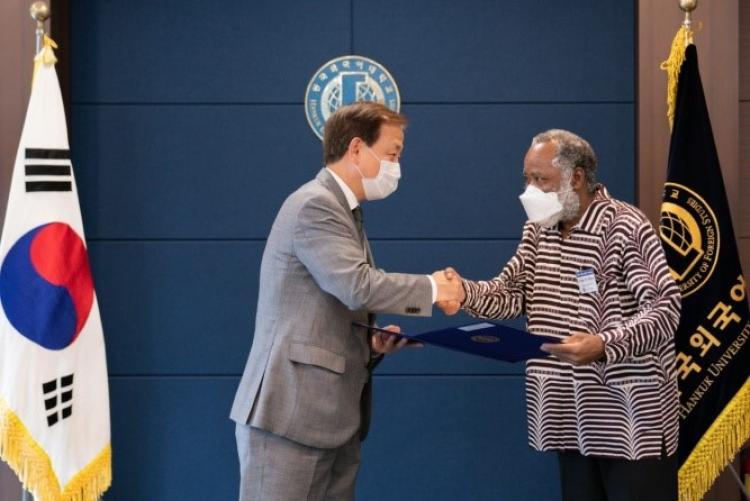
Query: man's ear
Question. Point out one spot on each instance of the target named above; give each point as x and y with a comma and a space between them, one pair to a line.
354, 146
579, 178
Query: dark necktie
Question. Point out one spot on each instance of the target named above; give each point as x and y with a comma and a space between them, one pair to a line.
357, 213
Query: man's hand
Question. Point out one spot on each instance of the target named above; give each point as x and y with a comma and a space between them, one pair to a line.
384, 343
453, 292
580, 348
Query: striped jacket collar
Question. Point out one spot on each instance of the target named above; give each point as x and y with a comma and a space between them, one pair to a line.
593, 220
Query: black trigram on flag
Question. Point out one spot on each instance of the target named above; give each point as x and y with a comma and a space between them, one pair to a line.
58, 399
47, 170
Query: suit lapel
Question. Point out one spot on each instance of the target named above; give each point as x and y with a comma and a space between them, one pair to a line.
326, 179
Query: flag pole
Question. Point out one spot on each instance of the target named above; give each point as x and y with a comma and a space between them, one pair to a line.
64, 462
688, 6
40, 13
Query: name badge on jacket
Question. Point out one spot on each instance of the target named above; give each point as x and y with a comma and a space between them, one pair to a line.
586, 281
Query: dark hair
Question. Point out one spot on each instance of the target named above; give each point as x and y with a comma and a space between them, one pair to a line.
361, 119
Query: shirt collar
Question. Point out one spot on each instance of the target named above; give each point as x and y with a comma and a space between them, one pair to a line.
351, 198
593, 217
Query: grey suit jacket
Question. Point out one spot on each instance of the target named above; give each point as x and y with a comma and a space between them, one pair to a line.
308, 365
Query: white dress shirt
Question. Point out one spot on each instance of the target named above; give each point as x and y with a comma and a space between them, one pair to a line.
351, 199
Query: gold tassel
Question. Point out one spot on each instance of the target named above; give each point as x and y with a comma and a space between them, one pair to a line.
34, 469
46, 56
717, 447
672, 66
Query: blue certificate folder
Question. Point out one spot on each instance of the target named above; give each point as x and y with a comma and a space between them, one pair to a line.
485, 339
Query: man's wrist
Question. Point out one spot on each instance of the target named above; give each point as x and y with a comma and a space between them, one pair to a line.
468, 293
605, 356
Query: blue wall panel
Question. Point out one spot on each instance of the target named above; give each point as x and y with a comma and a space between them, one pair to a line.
463, 166
221, 174
512, 50
171, 440
433, 438
200, 51
176, 307
189, 171
447, 439
187, 307
188, 131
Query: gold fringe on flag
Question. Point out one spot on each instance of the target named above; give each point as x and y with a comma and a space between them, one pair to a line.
717, 447
672, 66
33, 467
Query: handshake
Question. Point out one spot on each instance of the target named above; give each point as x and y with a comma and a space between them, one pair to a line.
450, 290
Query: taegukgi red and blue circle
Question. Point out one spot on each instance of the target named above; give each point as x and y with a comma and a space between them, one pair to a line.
46, 287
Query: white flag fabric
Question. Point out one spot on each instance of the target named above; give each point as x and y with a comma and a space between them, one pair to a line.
54, 397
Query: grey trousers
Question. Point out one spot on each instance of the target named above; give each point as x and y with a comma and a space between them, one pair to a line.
273, 468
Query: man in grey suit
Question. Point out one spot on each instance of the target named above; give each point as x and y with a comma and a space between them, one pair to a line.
303, 404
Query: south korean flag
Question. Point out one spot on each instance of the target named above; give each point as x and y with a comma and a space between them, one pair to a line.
54, 399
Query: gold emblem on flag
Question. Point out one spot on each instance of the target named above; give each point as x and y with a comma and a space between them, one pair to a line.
689, 230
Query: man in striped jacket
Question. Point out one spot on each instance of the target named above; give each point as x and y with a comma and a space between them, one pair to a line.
590, 271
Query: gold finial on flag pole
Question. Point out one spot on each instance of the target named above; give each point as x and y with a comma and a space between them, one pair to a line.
40, 13
44, 44
688, 6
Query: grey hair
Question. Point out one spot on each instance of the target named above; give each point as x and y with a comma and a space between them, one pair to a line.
571, 151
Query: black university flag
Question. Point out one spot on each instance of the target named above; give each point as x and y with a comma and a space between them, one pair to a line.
713, 352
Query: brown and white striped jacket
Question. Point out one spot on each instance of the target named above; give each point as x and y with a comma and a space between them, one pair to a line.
627, 405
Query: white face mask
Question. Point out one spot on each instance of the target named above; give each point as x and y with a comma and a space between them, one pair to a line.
385, 183
541, 207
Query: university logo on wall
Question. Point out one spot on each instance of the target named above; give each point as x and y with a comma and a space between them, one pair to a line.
690, 231
345, 80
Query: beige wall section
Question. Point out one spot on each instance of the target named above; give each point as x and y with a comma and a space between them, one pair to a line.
16, 59
743, 225
719, 24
